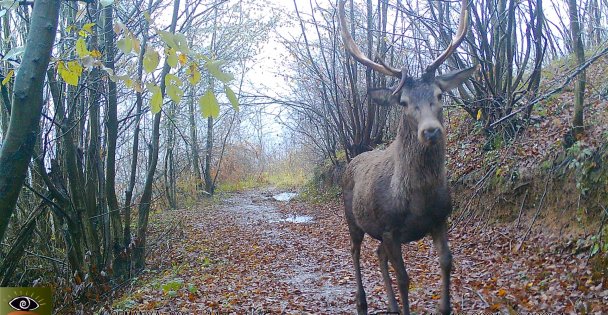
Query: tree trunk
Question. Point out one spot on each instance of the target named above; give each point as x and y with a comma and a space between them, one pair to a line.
208, 150
120, 257
194, 146
209, 187
579, 52
139, 253
21, 135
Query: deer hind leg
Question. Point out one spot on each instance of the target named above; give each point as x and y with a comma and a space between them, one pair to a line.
440, 239
393, 251
383, 258
356, 238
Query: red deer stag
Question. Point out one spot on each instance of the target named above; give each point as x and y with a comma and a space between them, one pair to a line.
400, 194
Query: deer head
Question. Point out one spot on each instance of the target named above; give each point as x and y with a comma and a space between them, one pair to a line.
419, 96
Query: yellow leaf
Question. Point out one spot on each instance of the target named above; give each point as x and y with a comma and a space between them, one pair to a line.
75, 67
9, 75
502, 292
88, 27
479, 114
95, 53
81, 48
68, 75
182, 59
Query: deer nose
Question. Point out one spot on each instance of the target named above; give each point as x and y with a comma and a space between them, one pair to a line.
431, 134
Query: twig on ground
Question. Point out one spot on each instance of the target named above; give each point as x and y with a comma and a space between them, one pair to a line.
523, 202
540, 206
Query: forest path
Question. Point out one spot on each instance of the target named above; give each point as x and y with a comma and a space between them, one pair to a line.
251, 254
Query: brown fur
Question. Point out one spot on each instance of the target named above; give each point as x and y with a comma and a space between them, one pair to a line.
400, 194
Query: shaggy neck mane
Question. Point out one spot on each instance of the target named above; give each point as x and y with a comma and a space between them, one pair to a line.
417, 166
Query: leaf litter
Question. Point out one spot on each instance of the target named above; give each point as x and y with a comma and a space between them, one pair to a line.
241, 255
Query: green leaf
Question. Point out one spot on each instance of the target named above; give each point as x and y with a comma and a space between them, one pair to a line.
151, 60
595, 249
209, 105
214, 68
172, 79
125, 44
81, 48
167, 37
194, 75
172, 57
232, 98
174, 91
156, 102
181, 43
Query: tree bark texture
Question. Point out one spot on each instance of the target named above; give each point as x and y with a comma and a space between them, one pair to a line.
21, 135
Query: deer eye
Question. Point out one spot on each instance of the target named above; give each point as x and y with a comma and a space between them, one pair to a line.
403, 103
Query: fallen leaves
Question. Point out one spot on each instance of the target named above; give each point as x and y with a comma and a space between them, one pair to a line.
239, 256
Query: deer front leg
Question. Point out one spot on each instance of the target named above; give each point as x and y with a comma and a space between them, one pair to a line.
393, 251
356, 237
440, 239
383, 258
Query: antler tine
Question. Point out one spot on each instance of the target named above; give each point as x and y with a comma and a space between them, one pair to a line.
352, 48
462, 30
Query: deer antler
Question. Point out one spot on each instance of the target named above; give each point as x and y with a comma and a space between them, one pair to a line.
352, 48
462, 30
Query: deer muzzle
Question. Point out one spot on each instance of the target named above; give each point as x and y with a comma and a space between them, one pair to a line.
430, 132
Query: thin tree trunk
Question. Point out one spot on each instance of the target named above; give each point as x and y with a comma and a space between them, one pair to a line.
134, 161
22, 132
209, 187
139, 253
579, 52
120, 258
194, 145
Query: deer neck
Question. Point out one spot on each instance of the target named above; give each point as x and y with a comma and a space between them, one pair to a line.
417, 166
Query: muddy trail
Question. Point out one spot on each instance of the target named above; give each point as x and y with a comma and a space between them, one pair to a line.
250, 253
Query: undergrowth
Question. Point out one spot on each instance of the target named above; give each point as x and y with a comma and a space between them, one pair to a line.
285, 180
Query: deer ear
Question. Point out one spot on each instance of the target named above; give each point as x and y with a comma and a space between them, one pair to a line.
453, 79
384, 97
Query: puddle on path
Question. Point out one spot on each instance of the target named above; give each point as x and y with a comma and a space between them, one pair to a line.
297, 219
286, 196
253, 210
